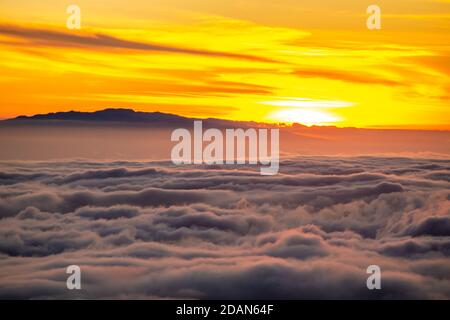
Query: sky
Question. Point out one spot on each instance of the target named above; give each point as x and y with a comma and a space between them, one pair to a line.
312, 62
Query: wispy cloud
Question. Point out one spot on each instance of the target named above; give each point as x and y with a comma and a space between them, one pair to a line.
348, 76
58, 38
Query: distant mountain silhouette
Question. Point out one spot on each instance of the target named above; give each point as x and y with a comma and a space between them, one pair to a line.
129, 116
119, 115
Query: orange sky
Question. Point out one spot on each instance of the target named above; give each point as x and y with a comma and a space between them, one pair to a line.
312, 62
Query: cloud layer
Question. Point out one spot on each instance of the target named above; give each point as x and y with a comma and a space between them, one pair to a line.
152, 230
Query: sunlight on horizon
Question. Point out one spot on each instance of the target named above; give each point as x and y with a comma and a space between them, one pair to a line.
306, 111
304, 116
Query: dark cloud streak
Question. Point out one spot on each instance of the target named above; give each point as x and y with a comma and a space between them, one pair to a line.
58, 38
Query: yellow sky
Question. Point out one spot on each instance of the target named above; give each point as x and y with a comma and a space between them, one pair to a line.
312, 62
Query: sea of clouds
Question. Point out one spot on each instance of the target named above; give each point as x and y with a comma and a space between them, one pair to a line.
155, 230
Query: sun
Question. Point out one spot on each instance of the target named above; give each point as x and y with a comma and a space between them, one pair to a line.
304, 116
306, 111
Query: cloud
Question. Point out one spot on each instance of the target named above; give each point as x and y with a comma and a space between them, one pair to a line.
55, 38
294, 244
414, 247
154, 230
348, 76
434, 226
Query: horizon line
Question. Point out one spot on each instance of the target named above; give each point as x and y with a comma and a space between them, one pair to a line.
412, 127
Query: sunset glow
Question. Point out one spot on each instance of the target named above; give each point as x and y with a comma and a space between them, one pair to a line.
289, 61
225, 159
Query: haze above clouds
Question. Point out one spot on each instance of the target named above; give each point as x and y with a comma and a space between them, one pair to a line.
116, 134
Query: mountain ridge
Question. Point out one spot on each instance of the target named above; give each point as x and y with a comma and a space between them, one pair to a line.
125, 115
108, 114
